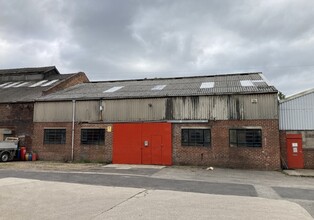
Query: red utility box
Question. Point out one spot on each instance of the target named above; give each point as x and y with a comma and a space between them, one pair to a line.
294, 151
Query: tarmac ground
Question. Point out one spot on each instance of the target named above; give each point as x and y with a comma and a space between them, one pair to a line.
49, 190
35, 199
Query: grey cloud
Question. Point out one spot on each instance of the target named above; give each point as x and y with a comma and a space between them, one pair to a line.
118, 39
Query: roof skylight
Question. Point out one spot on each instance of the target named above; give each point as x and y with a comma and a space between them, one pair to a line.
39, 83
159, 87
4, 84
207, 85
12, 84
50, 82
245, 83
113, 89
22, 84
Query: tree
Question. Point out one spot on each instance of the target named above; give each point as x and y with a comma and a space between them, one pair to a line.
281, 95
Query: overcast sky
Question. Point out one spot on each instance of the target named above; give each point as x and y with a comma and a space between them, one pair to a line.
124, 39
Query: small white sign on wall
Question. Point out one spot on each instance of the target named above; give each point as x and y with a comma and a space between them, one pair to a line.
294, 144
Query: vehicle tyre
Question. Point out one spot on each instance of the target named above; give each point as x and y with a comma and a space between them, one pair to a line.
5, 157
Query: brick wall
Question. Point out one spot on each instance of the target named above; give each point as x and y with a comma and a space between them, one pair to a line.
18, 117
220, 154
71, 81
63, 152
308, 153
283, 149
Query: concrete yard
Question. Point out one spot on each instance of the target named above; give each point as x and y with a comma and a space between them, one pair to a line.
37, 199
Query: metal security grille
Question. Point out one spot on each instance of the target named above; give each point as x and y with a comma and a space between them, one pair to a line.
93, 136
54, 136
195, 137
245, 138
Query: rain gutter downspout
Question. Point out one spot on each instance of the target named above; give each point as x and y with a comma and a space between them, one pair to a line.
73, 126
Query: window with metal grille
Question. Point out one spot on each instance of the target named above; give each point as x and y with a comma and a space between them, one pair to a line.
93, 136
54, 136
195, 137
245, 137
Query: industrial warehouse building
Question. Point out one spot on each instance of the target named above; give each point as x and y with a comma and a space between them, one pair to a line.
218, 120
297, 130
19, 88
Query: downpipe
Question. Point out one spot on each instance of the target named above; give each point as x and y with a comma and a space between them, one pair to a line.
73, 128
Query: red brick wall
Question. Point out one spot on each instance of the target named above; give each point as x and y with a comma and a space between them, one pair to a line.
19, 118
63, 152
308, 154
220, 154
71, 81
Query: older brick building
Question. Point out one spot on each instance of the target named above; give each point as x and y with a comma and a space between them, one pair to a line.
222, 120
19, 88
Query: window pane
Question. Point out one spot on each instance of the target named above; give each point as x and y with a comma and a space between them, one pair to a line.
93, 136
246, 137
195, 137
185, 137
233, 136
206, 137
54, 136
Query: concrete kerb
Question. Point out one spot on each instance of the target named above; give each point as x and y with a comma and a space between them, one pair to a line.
299, 172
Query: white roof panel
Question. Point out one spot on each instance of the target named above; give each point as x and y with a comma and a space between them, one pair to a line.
207, 85
50, 82
39, 83
113, 89
22, 84
159, 87
245, 83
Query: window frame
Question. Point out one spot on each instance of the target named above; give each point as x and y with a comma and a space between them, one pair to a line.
59, 136
256, 137
195, 143
97, 138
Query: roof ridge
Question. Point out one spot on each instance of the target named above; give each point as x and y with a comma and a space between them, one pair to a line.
178, 77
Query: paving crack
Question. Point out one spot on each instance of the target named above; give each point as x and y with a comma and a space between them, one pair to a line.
124, 201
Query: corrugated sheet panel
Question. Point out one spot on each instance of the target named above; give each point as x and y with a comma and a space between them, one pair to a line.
298, 113
200, 108
53, 112
238, 107
87, 110
135, 110
260, 106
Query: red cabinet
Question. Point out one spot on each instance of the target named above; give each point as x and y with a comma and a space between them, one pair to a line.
294, 151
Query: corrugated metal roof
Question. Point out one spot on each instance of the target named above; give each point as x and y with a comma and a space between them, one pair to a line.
27, 84
27, 70
178, 86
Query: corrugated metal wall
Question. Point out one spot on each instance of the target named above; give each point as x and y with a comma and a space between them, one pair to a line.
135, 110
297, 114
53, 112
159, 109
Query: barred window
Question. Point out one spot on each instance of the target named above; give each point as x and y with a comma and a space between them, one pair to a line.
245, 137
93, 136
195, 137
54, 136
